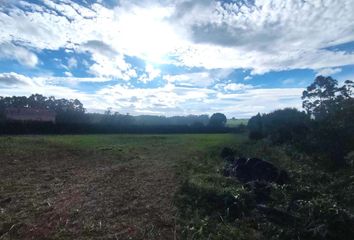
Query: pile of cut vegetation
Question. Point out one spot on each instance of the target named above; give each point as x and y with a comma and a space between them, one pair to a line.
283, 198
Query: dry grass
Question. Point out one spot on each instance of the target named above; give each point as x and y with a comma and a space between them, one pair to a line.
93, 187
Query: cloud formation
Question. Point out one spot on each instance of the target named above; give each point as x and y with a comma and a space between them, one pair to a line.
20, 54
189, 51
241, 100
262, 36
15, 80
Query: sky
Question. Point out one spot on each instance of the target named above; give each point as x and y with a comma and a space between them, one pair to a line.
174, 57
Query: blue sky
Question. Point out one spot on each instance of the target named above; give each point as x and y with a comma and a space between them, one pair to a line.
174, 57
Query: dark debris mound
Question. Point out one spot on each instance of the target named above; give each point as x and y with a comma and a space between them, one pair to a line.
285, 209
252, 169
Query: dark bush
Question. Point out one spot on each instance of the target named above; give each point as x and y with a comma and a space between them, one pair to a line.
255, 127
281, 126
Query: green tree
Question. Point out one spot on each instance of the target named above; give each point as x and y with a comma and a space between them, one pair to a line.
217, 120
332, 108
255, 127
282, 126
324, 96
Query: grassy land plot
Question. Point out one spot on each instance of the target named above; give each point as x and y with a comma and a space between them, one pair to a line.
96, 186
236, 122
160, 187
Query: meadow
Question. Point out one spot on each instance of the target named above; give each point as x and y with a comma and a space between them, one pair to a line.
159, 187
236, 122
95, 186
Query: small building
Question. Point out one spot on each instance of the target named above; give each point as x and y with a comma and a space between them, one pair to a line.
30, 114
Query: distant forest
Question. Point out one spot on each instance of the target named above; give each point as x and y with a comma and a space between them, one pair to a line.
71, 117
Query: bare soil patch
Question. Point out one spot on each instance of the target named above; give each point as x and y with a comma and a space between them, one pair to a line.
52, 191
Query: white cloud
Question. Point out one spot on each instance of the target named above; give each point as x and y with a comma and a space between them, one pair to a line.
72, 63
328, 71
198, 79
251, 101
20, 54
173, 100
288, 81
150, 74
12, 79
236, 86
68, 74
108, 62
167, 100
69, 79
15, 80
269, 35
114, 67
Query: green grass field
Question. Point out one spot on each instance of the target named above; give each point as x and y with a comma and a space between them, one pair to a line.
156, 187
236, 122
96, 186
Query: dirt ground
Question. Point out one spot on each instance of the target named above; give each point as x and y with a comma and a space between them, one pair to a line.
57, 191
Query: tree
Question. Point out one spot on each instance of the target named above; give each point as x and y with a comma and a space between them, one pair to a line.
217, 120
287, 125
281, 126
324, 96
67, 110
255, 127
332, 108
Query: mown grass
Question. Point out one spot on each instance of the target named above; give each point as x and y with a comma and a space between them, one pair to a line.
37, 169
195, 141
236, 122
77, 186
186, 145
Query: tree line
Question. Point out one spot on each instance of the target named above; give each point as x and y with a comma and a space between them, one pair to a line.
72, 117
324, 129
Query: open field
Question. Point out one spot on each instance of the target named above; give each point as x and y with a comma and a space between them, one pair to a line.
236, 122
162, 187
95, 186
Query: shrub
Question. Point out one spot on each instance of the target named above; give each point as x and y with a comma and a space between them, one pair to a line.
282, 126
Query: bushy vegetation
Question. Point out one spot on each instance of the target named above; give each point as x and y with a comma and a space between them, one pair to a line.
70, 111
324, 130
217, 120
281, 126
315, 204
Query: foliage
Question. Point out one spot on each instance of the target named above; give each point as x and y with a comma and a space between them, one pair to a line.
316, 204
333, 110
67, 110
281, 126
326, 131
333, 135
71, 117
217, 120
255, 127
149, 120
323, 96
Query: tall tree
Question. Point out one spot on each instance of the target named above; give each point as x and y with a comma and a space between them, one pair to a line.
217, 120
333, 110
324, 96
